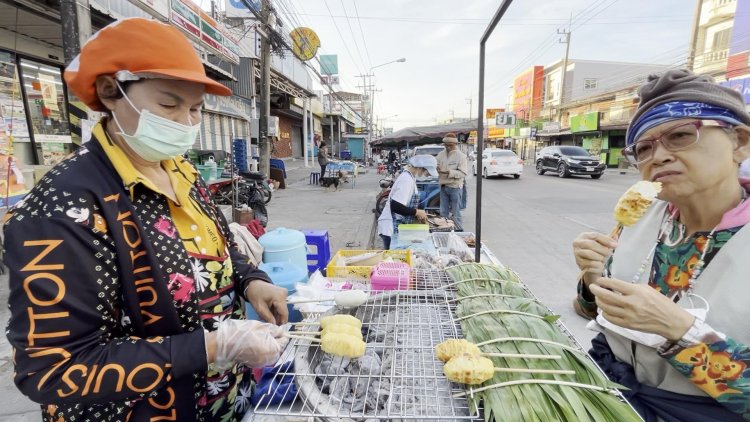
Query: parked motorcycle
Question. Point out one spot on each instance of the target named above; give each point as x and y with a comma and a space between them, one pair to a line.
247, 194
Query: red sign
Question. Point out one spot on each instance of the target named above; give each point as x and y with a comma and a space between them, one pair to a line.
527, 93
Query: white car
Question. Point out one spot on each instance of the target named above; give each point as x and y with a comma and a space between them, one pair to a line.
499, 162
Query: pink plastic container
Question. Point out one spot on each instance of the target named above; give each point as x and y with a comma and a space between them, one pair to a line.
390, 276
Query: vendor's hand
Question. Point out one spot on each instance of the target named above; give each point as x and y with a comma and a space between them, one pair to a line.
591, 251
269, 301
640, 307
421, 216
252, 343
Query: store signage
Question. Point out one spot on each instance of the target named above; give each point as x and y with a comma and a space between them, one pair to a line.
491, 112
329, 64
158, 7
330, 80
305, 43
235, 106
587, 122
238, 8
551, 127
740, 85
65, 139
49, 91
505, 119
190, 18
273, 125
496, 132
527, 92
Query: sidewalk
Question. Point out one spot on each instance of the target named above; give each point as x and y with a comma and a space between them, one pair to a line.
346, 214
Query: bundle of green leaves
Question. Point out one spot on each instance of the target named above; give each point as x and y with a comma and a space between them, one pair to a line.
501, 316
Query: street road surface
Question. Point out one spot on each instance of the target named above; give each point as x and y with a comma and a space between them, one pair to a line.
530, 224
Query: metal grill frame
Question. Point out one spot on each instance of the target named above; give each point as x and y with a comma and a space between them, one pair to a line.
423, 318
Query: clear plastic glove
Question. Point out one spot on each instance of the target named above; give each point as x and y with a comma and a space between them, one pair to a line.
252, 343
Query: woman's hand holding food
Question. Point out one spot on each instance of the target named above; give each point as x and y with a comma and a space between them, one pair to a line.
591, 251
252, 343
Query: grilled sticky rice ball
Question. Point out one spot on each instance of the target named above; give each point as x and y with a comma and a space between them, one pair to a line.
454, 347
340, 319
338, 344
469, 369
635, 201
343, 329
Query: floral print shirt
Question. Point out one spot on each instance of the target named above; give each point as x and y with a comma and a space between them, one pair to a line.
112, 285
716, 364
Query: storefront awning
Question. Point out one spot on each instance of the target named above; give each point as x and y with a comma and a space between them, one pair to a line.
553, 134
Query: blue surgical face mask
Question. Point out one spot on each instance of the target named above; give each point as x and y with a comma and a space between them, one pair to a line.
156, 138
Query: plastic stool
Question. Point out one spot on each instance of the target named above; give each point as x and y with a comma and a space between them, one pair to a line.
314, 177
318, 258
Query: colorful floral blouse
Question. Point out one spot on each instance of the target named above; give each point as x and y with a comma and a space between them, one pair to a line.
717, 363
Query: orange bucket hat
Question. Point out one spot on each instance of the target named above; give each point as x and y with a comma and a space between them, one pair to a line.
146, 49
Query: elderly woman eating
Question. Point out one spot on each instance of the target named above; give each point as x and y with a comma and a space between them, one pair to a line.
670, 295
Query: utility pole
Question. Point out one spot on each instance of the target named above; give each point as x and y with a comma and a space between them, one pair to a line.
264, 166
368, 93
565, 65
694, 35
469, 101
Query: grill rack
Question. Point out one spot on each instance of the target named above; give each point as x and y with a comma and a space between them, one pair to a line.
413, 387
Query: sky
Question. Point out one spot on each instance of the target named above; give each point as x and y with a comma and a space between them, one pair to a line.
440, 41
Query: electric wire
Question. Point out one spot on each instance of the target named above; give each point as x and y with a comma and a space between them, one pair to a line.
361, 31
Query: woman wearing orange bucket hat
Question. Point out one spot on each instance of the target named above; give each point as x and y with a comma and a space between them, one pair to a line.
126, 288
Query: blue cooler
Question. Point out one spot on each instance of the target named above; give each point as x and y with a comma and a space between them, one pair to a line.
285, 245
286, 275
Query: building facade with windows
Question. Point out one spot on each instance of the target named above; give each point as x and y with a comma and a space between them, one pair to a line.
712, 34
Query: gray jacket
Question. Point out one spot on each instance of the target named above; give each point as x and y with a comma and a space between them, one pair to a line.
723, 283
323, 156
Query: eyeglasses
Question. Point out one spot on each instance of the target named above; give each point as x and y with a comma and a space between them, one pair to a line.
676, 138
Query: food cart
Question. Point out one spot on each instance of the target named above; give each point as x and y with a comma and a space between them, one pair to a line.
542, 373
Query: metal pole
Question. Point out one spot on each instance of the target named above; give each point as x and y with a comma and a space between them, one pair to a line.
338, 129
264, 166
305, 132
480, 123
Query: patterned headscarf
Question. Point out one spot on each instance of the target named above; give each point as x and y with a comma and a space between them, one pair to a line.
675, 110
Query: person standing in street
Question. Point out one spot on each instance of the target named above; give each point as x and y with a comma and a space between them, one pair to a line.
452, 171
323, 158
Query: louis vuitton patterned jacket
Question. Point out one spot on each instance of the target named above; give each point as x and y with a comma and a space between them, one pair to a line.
110, 296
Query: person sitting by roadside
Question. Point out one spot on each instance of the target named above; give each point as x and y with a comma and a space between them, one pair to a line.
670, 296
403, 201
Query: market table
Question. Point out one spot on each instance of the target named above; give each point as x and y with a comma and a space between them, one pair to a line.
400, 377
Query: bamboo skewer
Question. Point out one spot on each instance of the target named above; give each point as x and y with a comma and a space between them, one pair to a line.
532, 340
614, 234
536, 371
501, 311
293, 336
535, 381
294, 302
494, 295
519, 355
